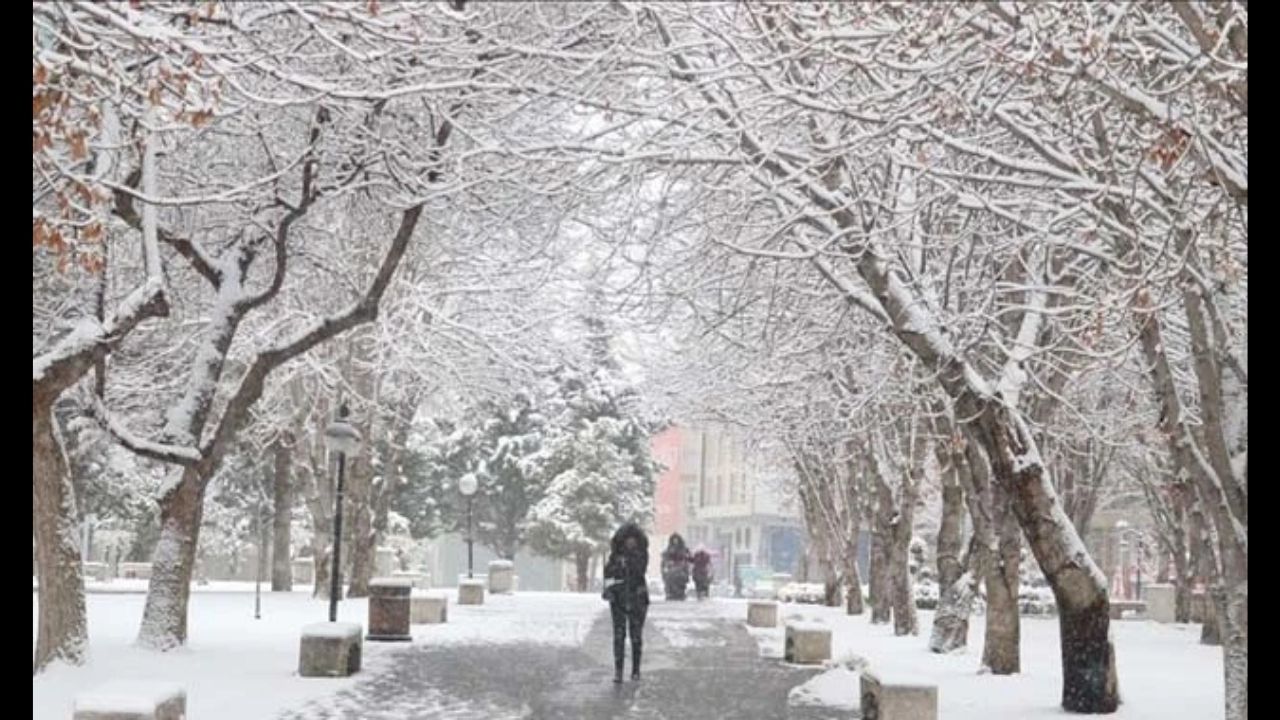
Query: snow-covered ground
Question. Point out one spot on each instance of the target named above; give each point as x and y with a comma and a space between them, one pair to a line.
1165, 673
237, 667
122, 585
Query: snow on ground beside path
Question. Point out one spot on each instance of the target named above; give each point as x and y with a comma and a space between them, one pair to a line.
123, 585
835, 688
238, 667
1165, 673
558, 619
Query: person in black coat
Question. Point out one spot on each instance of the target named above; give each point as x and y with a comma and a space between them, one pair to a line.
702, 573
675, 567
627, 591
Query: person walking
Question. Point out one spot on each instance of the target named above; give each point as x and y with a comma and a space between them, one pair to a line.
702, 573
627, 591
675, 567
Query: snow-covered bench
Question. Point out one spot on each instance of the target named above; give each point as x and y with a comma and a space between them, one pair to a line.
427, 607
330, 650
762, 613
807, 644
471, 592
132, 700
897, 698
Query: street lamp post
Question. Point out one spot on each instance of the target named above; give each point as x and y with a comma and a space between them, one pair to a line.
342, 438
467, 486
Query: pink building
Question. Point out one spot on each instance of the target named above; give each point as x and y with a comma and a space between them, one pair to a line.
668, 508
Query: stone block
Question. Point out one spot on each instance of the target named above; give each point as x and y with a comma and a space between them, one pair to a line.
330, 650
389, 609
304, 571
384, 561
428, 608
420, 581
762, 613
132, 700
895, 699
471, 592
1161, 602
501, 576
135, 570
807, 644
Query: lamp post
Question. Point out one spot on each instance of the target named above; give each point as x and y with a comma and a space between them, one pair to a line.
467, 486
342, 438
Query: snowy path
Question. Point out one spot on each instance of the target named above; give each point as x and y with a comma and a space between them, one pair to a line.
698, 664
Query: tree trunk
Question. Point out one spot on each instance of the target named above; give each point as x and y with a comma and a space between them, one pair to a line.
322, 562
1202, 569
1001, 651
950, 540
1089, 682
951, 622
582, 563
950, 630
830, 586
1210, 632
318, 496
852, 578
282, 516
363, 540
164, 618
1231, 607
62, 630
1181, 590
853, 528
880, 590
904, 603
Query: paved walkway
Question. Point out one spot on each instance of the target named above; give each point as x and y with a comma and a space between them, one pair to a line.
696, 667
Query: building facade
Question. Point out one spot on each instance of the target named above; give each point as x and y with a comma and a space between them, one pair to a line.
719, 495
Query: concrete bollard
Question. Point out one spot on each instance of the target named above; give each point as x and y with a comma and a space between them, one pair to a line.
807, 644
471, 592
501, 576
762, 613
897, 700
132, 700
389, 610
428, 608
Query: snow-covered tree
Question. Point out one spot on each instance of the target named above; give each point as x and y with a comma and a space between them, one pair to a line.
492, 441
595, 461
592, 488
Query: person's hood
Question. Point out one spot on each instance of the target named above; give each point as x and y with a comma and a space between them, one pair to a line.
629, 530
